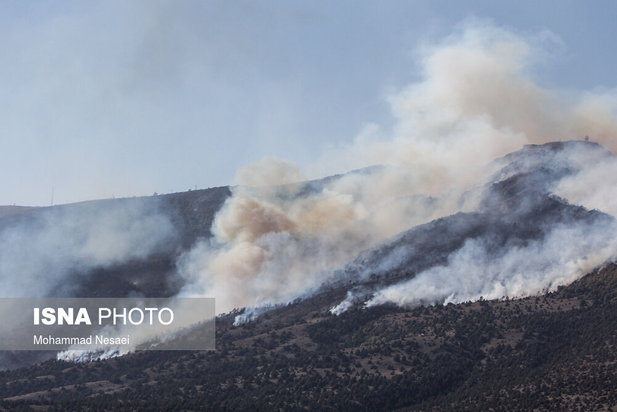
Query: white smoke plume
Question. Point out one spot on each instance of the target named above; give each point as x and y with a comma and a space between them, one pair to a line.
595, 187
37, 254
45, 251
476, 100
473, 273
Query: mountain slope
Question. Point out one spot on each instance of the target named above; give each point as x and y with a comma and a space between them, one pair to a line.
550, 352
512, 234
190, 214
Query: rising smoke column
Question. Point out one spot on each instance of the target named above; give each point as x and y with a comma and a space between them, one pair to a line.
476, 100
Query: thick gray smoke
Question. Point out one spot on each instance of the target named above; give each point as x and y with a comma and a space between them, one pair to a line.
40, 252
476, 101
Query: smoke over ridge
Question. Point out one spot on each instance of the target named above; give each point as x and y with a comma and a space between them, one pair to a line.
476, 100
40, 253
280, 237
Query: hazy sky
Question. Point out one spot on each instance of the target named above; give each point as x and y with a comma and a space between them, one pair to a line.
123, 98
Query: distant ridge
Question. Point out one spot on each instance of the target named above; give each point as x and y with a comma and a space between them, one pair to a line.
15, 210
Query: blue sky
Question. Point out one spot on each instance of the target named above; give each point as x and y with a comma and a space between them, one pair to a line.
118, 98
